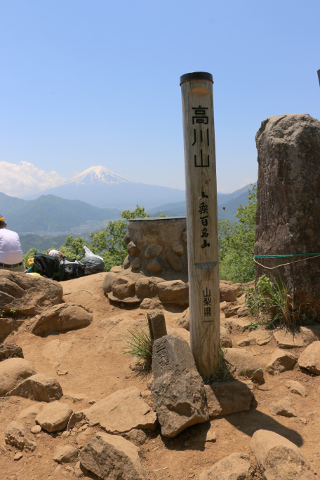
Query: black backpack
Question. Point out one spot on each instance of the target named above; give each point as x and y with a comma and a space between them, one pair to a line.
71, 268
47, 266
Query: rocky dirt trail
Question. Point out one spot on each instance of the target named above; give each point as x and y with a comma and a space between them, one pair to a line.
89, 364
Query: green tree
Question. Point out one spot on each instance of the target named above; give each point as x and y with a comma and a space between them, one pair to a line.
109, 244
73, 247
236, 241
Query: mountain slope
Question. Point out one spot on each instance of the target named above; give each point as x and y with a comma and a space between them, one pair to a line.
52, 214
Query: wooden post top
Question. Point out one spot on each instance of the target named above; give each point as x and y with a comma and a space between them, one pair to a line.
196, 76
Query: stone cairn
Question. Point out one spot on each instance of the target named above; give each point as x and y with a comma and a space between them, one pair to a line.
288, 205
156, 268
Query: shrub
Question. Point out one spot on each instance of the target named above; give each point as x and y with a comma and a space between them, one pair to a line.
140, 347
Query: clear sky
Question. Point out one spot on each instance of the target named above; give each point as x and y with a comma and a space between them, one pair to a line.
96, 82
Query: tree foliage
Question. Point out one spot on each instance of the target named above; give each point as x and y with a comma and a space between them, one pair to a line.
236, 242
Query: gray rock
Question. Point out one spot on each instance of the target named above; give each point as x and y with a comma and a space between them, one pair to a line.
15, 436
12, 372
111, 457
234, 467
122, 411
283, 407
54, 416
310, 358
225, 398
66, 454
178, 392
60, 318
280, 362
242, 363
9, 350
138, 437
288, 156
279, 458
296, 387
38, 387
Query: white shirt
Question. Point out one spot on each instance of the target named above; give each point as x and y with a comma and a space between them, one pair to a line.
10, 248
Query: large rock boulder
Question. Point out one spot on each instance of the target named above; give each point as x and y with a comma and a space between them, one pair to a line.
178, 392
12, 372
111, 457
288, 202
54, 416
279, 458
122, 411
27, 294
60, 318
38, 387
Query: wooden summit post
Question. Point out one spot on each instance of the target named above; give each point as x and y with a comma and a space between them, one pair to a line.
202, 226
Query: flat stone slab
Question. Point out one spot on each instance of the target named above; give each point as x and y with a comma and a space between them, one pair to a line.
225, 398
122, 411
111, 457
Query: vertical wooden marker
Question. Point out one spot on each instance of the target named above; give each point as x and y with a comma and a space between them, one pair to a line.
202, 226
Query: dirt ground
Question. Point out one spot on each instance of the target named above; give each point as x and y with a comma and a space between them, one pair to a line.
89, 364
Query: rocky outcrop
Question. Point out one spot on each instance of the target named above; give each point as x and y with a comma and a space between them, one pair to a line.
12, 372
60, 318
288, 203
111, 457
178, 392
279, 458
10, 350
27, 294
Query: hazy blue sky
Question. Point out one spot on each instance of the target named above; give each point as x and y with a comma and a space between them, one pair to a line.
96, 82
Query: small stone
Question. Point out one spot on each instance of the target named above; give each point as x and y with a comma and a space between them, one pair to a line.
17, 456
211, 436
283, 407
296, 387
36, 429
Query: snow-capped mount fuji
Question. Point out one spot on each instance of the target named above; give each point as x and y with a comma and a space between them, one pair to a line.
102, 187
98, 174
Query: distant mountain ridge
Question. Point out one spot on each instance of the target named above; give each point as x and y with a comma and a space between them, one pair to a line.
49, 214
106, 189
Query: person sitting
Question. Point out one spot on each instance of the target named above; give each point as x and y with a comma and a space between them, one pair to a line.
10, 249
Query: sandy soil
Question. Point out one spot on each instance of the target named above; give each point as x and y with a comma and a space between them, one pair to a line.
89, 364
